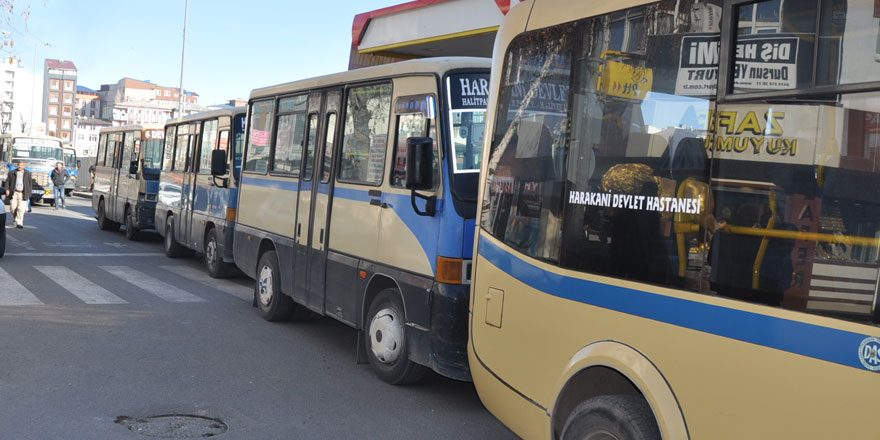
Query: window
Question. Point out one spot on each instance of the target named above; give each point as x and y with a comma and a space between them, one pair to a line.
365, 136
66, 110
408, 125
53, 110
65, 135
209, 142
312, 139
54, 84
53, 97
258, 142
238, 129
102, 150
128, 153
68, 85
167, 93
68, 98
53, 124
65, 124
168, 157
184, 147
289, 137
330, 133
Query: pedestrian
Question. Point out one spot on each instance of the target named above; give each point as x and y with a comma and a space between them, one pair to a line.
91, 177
19, 186
59, 177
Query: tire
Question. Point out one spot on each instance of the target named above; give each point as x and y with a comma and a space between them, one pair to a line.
68, 192
620, 417
272, 304
173, 249
50, 202
214, 263
385, 342
131, 231
3, 238
104, 223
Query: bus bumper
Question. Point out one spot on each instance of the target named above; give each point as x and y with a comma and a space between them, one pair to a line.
444, 347
146, 215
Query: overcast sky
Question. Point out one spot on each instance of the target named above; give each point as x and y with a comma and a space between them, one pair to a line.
231, 46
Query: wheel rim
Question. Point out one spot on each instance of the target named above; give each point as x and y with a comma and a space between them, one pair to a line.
211, 253
386, 336
600, 435
264, 286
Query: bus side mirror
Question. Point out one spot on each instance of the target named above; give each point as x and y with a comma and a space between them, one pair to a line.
419, 163
133, 167
420, 173
218, 163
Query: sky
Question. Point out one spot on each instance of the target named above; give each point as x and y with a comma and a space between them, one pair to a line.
232, 47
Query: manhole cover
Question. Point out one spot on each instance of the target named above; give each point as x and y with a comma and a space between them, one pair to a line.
174, 426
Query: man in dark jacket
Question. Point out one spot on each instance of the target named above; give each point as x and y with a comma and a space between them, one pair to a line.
59, 178
19, 187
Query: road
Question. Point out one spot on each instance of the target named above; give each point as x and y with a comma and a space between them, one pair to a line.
99, 333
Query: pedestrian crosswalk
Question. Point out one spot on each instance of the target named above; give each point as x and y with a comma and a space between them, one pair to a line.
114, 285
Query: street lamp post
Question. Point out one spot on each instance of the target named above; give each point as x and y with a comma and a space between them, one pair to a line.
182, 104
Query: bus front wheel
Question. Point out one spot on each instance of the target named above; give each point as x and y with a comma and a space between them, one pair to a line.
386, 341
131, 231
173, 249
104, 223
271, 302
619, 417
217, 268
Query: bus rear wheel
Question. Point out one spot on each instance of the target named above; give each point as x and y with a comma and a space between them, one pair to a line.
173, 249
619, 417
217, 268
272, 304
131, 231
385, 343
104, 223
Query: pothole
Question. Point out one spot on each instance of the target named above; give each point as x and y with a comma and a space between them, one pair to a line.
174, 426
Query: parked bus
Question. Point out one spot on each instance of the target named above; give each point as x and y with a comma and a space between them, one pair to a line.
127, 177
327, 224
196, 210
39, 154
679, 234
72, 166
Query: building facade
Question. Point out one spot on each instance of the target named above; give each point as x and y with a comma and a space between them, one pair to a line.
86, 140
88, 103
132, 101
59, 93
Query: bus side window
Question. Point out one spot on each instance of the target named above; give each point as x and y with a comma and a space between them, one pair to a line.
330, 129
310, 147
168, 152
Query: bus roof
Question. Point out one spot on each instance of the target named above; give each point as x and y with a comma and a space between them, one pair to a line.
32, 136
129, 127
420, 66
240, 110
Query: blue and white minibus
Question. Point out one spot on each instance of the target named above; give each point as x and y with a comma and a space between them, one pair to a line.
329, 222
127, 177
196, 209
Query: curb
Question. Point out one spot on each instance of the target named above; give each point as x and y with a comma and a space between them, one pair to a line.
82, 194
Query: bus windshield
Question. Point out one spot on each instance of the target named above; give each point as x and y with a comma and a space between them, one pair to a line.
468, 95
33, 148
153, 156
69, 158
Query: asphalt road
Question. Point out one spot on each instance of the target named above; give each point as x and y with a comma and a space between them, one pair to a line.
99, 333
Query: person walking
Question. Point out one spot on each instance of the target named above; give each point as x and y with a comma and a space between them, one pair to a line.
59, 177
19, 186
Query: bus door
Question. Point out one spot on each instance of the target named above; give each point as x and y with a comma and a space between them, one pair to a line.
321, 194
304, 199
126, 188
199, 209
114, 144
189, 185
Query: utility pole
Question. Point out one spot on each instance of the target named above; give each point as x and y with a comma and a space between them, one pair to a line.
182, 105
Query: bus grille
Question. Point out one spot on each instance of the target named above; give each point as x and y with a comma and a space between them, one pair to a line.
41, 179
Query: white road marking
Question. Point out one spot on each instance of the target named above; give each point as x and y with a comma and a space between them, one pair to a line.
201, 277
16, 242
84, 254
13, 293
79, 286
153, 285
